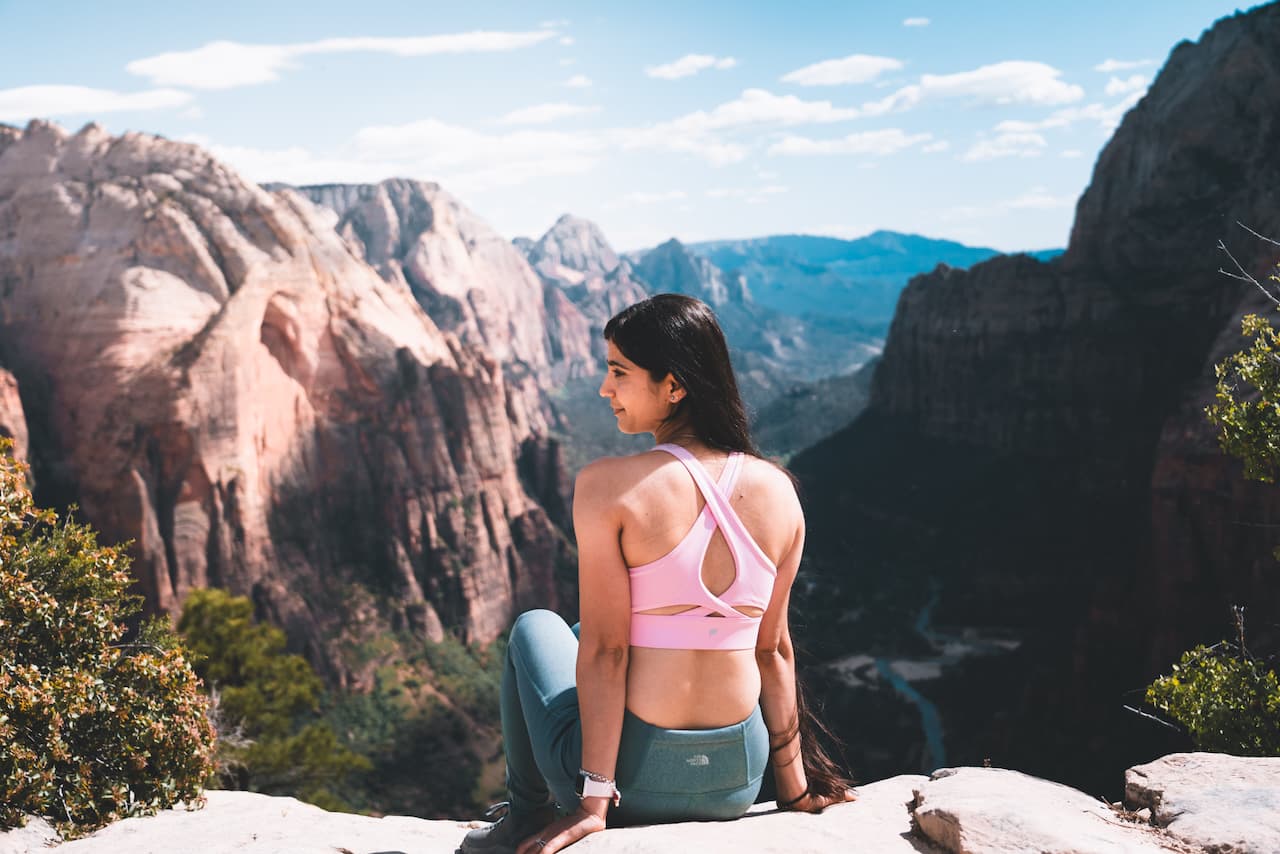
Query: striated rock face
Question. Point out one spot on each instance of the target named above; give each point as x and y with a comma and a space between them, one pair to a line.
585, 285
208, 370
1035, 445
573, 248
13, 421
466, 276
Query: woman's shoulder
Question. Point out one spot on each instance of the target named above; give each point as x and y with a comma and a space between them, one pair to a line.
621, 471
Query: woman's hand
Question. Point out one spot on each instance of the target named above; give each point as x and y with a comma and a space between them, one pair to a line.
562, 833
817, 803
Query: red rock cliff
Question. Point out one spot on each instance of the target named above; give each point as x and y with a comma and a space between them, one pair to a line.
210, 371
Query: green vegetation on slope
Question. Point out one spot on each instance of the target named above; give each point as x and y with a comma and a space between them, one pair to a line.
94, 727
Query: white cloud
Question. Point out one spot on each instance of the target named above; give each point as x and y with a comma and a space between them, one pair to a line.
1135, 83
700, 133
462, 160
1112, 65
881, 142
1007, 145
27, 102
540, 114
759, 106
1107, 117
1035, 199
647, 198
916, 22
747, 193
1001, 83
578, 81
472, 159
1039, 198
192, 112
1072, 153
568, 60
566, 40
226, 64
933, 147
858, 68
688, 65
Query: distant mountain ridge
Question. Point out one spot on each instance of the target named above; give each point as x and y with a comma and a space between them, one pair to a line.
803, 274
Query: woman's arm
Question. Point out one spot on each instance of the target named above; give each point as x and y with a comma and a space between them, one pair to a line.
776, 658
779, 700
604, 597
604, 645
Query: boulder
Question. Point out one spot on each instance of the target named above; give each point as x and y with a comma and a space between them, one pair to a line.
1225, 804
990, 810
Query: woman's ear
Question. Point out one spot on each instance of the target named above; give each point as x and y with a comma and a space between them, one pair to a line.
675, 392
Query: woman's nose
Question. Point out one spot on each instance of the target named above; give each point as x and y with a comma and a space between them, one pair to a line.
604, 386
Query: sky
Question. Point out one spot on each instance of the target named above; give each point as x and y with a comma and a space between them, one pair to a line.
978, 122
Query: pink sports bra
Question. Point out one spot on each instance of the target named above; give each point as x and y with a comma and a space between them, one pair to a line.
676, 577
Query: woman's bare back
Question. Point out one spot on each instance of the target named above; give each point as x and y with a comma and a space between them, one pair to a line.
659, 504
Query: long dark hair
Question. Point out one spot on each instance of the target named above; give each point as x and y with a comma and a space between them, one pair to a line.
679, 335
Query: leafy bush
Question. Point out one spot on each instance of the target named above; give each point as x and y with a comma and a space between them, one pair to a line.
1247, 411
267, 703
93, 728
1228, 703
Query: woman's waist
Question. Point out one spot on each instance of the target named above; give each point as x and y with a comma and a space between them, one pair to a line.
692, 688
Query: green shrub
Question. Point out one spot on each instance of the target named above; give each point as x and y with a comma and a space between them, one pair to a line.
470, 676
93, 728
271, 737
1227, 703
1247, 411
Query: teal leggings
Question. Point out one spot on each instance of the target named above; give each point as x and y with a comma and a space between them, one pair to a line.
663, 774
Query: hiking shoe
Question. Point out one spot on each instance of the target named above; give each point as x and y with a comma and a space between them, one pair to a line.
507, 831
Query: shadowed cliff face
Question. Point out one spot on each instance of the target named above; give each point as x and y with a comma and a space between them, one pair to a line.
209, 371
1035, 443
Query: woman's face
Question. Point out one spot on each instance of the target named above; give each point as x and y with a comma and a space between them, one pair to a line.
639, 403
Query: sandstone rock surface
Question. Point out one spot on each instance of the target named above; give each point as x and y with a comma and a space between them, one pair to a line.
1224, 804
467, 277
216, 376
957, 810
258, 824
13, 421
993, 810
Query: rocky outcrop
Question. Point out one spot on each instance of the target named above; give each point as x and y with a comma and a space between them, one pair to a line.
684, 272
467, 277
212, 373
1035, 448
957, 810
1217, 802
572, 249
586, 284
13, 421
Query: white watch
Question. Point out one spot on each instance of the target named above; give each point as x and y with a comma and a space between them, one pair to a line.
588, 786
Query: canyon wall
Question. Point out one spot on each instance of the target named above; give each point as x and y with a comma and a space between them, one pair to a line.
209, 370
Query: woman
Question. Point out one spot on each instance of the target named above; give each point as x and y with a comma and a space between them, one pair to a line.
684, 684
